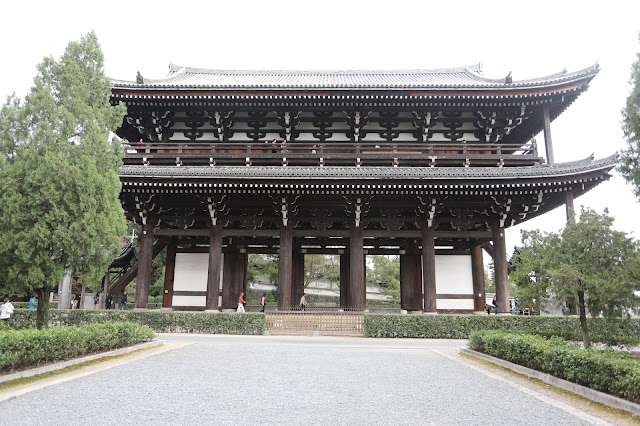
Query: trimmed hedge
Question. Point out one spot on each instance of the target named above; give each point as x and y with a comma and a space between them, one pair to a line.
445, 326
160, 321
615, 373
20, 349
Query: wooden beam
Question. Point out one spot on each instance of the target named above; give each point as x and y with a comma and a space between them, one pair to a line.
429, 269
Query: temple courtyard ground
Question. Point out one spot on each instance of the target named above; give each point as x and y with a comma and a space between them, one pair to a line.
275, 380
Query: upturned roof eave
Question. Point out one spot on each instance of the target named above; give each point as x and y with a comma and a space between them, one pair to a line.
415, 175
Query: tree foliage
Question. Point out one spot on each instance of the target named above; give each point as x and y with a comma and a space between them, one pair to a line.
386, 274
630, 156
59, 204
587, 260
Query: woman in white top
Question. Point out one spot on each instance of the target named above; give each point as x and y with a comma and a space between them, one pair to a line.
6, 309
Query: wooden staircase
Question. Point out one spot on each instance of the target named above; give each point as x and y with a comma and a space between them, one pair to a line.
315, 323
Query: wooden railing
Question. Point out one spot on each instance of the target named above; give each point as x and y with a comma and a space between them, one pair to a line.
332, 154
315, 322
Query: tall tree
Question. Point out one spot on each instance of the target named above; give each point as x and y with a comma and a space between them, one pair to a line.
630, 157
588, 260
59, 205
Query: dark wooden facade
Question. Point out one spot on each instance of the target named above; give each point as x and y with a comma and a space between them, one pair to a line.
424, 164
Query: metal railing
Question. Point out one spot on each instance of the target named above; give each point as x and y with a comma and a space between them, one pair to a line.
332, 154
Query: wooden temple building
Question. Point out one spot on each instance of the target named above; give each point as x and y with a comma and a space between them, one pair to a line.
432, 165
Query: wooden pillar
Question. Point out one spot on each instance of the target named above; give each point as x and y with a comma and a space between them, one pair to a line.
105, 290
240, 283
358, 290
500, 268
285, 268
298, 276
410, 279
228, 280
429, 268
143, 279
215, 268
345, 279
571, 212
169, 273
547, 135
477, 273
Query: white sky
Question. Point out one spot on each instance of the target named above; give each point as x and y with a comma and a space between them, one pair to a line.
531, 39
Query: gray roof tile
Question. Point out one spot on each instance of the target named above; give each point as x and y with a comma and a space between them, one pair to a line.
558, 171
457, 78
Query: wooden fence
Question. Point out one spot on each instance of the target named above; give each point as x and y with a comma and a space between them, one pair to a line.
323, 323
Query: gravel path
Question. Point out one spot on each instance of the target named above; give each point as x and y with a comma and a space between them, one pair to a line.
228, 380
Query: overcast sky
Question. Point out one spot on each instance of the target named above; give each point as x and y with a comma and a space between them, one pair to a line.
531, 39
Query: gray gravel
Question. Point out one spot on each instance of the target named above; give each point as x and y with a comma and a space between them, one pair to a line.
228, 380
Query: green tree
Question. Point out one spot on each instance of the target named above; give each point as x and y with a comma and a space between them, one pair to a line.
59, 204
386, 274
587, 260
630, 157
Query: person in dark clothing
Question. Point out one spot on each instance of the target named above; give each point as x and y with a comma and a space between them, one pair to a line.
123, 301
109, 301
263, 302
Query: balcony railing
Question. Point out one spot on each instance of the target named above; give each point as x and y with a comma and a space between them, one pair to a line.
332, 154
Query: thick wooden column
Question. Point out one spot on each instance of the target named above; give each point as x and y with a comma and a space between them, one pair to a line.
240, 284
571, 212
547, 134
500, 268
410, 280
298, 276
477, 273
285, 268
143, 279
228, 279
345, 277
358, 290
169, 273
429, 268
215, 267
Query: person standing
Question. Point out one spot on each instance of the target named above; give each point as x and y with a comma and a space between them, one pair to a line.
263, 302
241, 303
96, 300
6, 309
303, 302
33, 303
123, 300
109, 301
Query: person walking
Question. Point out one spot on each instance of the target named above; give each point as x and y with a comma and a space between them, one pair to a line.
6, 309
109, 301
263, 302
241, 303
96, 300
123, 301
303, 302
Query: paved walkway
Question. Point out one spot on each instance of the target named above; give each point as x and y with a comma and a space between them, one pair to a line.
228, 380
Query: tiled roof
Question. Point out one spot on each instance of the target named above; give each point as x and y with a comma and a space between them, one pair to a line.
309, 174
185, 78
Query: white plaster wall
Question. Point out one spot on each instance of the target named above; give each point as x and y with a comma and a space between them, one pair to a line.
191, 272
189, 301
460, 304
453, 274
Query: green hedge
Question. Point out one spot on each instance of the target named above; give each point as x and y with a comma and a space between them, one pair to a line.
160, 321
607, 371
21, 349
444, 326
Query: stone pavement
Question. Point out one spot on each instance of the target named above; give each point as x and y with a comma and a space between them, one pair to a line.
282, 380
